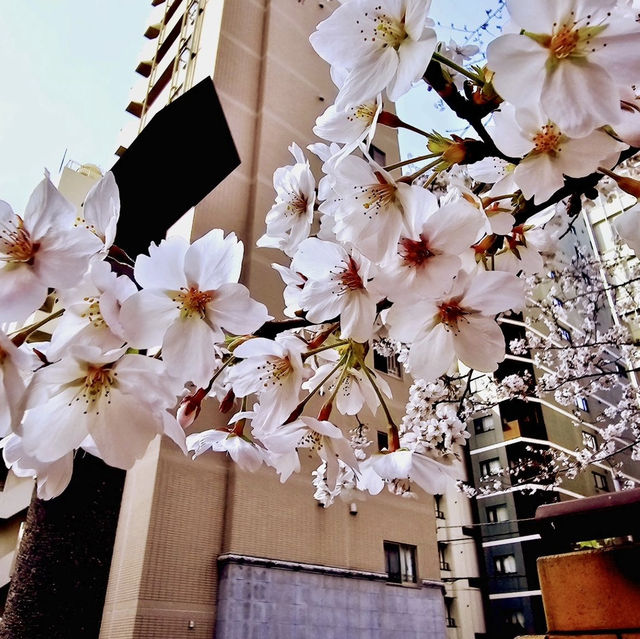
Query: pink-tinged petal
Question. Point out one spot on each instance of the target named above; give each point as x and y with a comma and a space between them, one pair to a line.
581, 156
47, 208
492, 292
235, 311
407, 322
188, 350
479, 343
371, 75
213, 260
164, 266
63, 256
541, 18
579, 97
321, 301
21, 293
54, 429
433, 477
101, 208
123, 433
508, 134
431, 355
357, 316
413, 60
146, 315
538, 177
519, 66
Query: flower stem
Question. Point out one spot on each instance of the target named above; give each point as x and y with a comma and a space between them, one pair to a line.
325, 347
391, 167
21, 336
438, 57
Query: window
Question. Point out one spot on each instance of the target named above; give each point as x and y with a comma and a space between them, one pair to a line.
600, 481
449, 604
383, 440
564, 333
582, 404
505, 564
377, 155
388, 364
490, 466
442, 554
400, 562
589, 440
438, 502
483, 424
497, 513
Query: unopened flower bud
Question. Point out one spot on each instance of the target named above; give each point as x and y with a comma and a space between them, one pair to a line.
325, 412
227, 401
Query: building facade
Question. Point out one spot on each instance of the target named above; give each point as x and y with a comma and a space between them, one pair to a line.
204, 548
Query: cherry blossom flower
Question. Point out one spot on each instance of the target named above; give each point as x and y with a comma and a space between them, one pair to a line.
383, 44
337, 286
459, 324
549, 154
119, 399
243, 452
101, 210
627, 225
349, 126
289, 220
367, 204
15, 364
40, 251
294, 282
569, 56
427, 256
91, 311
433, 477
321, 437
52, 477
189, 298
350, 385
274, 370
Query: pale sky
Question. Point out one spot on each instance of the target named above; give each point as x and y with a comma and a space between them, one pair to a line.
67, 68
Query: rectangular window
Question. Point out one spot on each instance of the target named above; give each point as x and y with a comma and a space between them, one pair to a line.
438, 501
589, 440
505, 564
490, 467
388, 364
383, 440
483, 424
497, 513
566, 336
400, 560
582, 404
377, 155
600, 481
442, 554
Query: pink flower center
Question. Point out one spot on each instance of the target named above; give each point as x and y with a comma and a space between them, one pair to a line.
564, 41
15, 242
547, 139
414, 252
297, 204
450, 313
349, 276
271, 372
192, 301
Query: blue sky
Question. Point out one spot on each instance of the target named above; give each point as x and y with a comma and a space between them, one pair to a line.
68, 66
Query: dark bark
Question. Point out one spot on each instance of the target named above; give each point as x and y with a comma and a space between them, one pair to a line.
62, 567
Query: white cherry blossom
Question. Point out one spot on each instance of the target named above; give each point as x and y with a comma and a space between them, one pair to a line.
119, 399
101, 210
382, 44
39, 251
189, 299
289, 220
459, 324
570, 57
337, 285
549, 154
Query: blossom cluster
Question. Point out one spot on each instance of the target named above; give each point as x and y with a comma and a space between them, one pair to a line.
424, 263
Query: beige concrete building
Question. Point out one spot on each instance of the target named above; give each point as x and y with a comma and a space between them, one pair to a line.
204, 548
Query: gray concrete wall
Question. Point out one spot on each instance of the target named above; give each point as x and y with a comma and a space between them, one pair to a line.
261, 601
